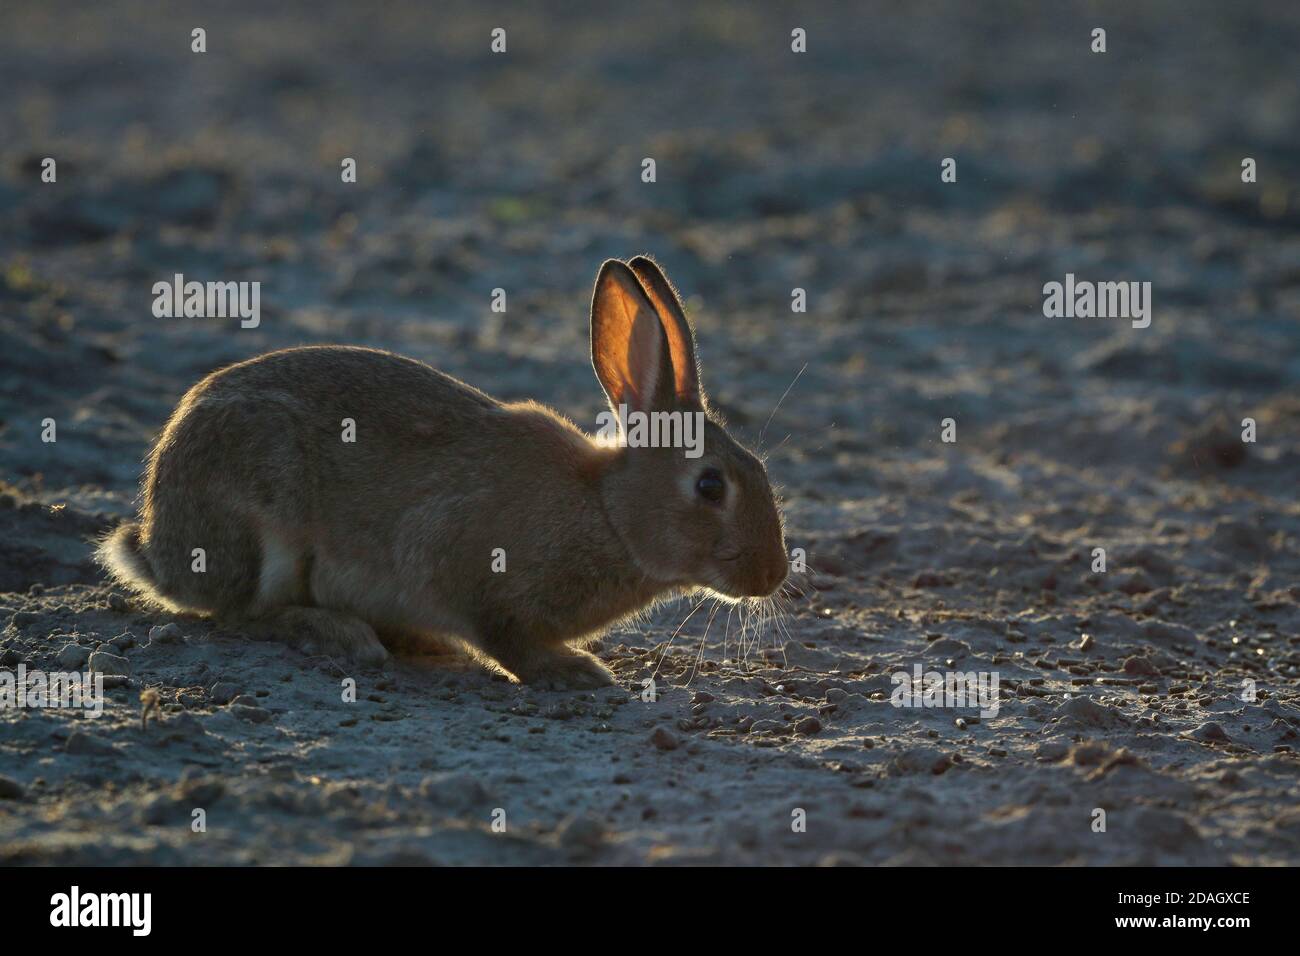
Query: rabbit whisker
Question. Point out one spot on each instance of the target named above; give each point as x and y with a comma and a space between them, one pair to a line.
778, 404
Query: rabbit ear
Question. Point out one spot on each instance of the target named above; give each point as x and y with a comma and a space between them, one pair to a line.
681, 337
629, 349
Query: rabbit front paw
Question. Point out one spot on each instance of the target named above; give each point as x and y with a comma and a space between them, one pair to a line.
563, 670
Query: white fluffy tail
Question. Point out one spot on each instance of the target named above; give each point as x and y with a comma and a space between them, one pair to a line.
120, 555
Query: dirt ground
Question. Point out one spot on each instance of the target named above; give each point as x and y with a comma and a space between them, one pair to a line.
771, 739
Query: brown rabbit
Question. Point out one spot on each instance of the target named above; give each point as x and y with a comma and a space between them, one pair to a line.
328, 543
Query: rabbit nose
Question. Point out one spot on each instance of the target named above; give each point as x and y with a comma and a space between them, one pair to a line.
770, 575
777, 574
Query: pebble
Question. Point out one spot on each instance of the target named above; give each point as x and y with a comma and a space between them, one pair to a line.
165, 634
105, 663
10, 789
255, 715
1088, 712
73, 657
223, 692
921, 759
1211, 731
664, 739
1051, 751
1141, 666
808, 726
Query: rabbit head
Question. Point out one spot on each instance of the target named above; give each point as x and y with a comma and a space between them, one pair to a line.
699, 516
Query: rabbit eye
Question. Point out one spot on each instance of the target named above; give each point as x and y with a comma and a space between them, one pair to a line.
711, 486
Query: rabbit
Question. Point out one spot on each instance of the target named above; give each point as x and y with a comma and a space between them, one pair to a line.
327, 544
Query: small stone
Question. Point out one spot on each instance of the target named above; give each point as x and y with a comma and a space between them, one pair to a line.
117, 602
222, 693
920, 759
105, 663
165, 634
664, 739
1085, 642
11, 789
124, 641
73, 657
255, 715
1212, 732
808, 726
1052, 751
1088, 712
1141, 666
